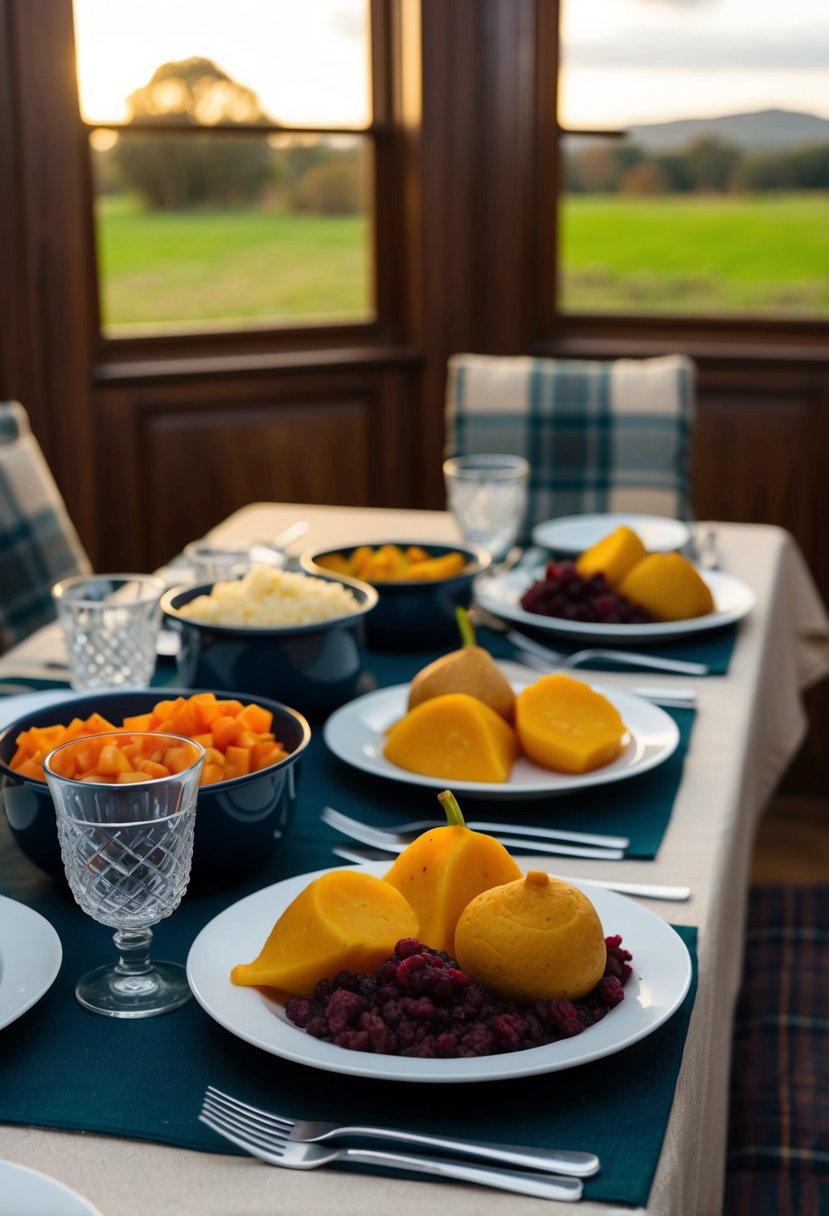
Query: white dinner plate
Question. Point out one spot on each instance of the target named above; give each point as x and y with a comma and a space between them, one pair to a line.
660, 980
570, 535
26, 1192
30, 958
500, 594
356, 734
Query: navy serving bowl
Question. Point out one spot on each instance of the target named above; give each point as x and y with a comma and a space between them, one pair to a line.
239, 823
315, 667
414, 614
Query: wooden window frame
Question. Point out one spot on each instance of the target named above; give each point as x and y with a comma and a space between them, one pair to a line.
384, 328
595, 333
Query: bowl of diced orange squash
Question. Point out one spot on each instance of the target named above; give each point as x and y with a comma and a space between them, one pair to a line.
253, 748
420, 585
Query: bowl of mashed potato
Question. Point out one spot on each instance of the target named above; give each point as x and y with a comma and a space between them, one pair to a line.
297, 638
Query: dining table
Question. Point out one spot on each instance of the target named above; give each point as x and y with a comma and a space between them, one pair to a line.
748, 724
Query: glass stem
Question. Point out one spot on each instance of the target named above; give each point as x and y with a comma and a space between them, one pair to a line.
133, 946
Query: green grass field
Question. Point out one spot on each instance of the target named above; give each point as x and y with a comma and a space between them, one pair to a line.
168, 269
763, 255
766, 254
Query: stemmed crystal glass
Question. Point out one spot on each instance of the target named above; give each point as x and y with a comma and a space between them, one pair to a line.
127, 845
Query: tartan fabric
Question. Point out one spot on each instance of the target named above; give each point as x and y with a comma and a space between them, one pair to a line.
778, 1147
38, 542
599, 436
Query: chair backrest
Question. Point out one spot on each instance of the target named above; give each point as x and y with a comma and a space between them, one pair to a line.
38, 542
599, 435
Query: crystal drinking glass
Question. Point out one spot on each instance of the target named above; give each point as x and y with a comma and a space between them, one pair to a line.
111, 624
487, 494
127, 845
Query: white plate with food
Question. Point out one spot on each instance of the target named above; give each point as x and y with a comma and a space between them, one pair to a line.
27, 1192
500, 595
570, 535
356, 733
661, 977
30, 958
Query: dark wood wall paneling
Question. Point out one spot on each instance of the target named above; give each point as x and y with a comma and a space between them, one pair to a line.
321, 437
466, 216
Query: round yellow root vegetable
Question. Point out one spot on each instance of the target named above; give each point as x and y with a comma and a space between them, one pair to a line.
535, 939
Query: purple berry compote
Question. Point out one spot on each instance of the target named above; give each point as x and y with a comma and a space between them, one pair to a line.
419, 1003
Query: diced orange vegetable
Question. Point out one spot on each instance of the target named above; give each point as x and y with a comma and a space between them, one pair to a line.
96, 724
211, 773
177, 759
131, 778
112, 761
29, 769
256, 718
238, 739
139, 722
272, 757
225, 730
150, 769
237, 761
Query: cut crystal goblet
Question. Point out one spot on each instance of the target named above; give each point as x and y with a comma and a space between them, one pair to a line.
126, 837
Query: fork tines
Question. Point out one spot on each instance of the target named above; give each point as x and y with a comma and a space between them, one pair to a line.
242, 1123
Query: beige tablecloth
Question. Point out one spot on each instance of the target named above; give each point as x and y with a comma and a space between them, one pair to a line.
748, 727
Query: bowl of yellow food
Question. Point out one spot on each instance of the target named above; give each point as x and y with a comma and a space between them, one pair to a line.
420, 585
296, 637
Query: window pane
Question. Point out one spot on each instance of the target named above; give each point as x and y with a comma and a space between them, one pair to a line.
715, 201
196, 232
308, 64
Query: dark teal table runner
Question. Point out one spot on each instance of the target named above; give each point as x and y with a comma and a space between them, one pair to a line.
63, 1067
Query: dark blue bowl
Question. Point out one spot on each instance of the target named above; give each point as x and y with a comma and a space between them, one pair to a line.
239, 823
415, 614
315, 667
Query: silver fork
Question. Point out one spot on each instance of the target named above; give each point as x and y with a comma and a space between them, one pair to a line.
316, 1131
336, 818
274, 1147
628, 658
396, 842
645, 890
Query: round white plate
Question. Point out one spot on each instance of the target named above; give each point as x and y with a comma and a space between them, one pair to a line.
26, 1192
30, 958
500, 594
356, 733
660, 980
570, 535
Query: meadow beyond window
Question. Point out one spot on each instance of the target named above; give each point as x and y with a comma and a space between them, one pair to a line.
232, 163
713, 200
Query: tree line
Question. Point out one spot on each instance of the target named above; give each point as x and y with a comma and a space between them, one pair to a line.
182, 171
708, 164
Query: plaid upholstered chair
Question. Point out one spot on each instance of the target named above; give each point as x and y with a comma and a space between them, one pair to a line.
38, 542
599, 436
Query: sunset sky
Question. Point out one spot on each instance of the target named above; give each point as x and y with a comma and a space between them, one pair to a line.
624, 60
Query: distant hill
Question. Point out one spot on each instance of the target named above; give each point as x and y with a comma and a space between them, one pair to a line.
762, 131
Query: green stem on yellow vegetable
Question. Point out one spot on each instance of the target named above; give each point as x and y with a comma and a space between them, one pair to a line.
465, 627
454, 816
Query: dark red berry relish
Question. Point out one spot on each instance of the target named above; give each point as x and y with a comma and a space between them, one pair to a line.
565, 593
420, 1003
